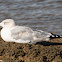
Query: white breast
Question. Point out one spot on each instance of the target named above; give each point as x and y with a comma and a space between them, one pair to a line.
6, 34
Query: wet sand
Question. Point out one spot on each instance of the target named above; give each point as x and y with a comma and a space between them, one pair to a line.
50, 51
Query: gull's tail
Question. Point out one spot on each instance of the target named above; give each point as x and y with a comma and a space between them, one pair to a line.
55, 36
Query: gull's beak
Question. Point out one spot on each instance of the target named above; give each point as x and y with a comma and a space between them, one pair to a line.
1, 26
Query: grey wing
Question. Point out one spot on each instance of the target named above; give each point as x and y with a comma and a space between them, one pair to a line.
40, 33
21, 32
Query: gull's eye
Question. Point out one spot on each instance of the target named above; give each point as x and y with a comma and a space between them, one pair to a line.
6, 23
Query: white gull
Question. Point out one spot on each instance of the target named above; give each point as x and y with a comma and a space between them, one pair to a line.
21, 34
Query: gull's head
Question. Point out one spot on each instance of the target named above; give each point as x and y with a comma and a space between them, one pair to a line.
7, 23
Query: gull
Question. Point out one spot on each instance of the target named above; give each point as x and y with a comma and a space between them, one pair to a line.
11, 32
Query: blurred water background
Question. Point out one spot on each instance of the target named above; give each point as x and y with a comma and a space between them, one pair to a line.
37, 14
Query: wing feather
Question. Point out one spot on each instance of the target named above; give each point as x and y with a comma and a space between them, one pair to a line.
26, 33
21, 32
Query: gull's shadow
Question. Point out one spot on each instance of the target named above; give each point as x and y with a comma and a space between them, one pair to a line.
48, 43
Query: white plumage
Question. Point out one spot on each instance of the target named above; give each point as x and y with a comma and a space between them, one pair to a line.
21, 34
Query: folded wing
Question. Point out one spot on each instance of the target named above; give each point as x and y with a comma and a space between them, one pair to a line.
26, 33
